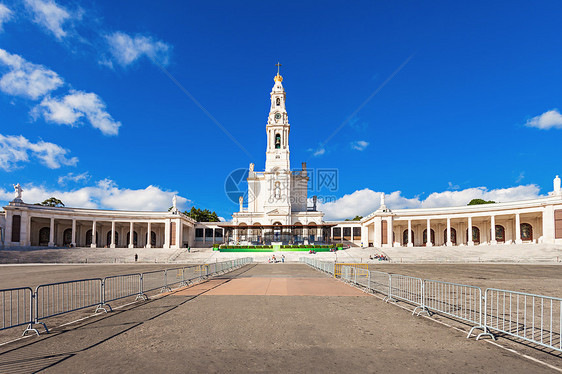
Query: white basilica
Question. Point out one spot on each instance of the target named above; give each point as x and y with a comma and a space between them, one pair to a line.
277, 211
277, 204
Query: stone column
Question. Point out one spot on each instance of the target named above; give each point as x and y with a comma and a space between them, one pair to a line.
548, 233
428, 236
410, 244
364, 236
179, 230
167, 233
518, 229
112, 245
28, 231
8, 230
94, 236
469, 232
149, 236
73, 237
377, 231
448, 241
131, 235
52, 233
493, 240
389, 231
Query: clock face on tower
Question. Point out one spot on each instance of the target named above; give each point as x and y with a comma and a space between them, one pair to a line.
277, 116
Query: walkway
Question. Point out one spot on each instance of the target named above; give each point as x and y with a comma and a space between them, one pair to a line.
262, 318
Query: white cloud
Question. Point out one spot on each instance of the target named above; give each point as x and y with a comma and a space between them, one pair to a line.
364, 202
70, 110
125, 49
5, 15
17, 149
318, 151
35, 81
27, 79
453, 186
52, 16
547, 120
359, 145
71, 177
104, 194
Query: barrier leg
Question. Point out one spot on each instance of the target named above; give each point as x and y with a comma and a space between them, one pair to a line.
389, 297
483, 326
30, 329
100, 308
141, 295
422, 308
485, 332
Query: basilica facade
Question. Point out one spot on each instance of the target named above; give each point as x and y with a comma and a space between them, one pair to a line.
277, 209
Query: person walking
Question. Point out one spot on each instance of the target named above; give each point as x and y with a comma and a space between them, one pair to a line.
282, 259
136, 257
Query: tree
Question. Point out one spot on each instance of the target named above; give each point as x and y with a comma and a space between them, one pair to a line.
357, 218
52, 201
201, 215
480, 201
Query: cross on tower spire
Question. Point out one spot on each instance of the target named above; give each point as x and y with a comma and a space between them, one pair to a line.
278, 66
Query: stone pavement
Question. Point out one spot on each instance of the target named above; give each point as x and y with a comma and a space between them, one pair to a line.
261, 318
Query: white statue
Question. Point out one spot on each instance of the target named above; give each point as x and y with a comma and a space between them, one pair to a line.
251, 167
175, 203
382, 199
17, 191
557, 190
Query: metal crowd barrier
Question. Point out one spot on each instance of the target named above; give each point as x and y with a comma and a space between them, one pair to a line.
63, 297
154, 280
456, 300
121, 286
406, 288
16, 305
379, 282
23, 306
533, 318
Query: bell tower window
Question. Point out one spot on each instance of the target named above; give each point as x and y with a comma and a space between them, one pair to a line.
277, 141
278, 101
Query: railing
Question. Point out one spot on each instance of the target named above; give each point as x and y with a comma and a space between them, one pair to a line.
23, 306
456, 300
59, 298
406, 288
121, 286
379, 282
16, 305
532, 318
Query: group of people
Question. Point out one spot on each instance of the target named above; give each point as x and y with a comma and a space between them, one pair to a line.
378, 257
274, 260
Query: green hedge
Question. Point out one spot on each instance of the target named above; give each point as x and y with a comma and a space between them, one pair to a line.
269, 248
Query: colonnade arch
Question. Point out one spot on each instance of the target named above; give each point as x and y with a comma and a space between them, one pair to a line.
432, 235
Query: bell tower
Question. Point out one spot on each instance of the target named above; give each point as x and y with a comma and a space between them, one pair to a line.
277, 129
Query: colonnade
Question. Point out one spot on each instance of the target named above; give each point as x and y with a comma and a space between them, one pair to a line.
51, 231
452, 230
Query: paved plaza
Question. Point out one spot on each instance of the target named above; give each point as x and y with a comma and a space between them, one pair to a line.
261, 318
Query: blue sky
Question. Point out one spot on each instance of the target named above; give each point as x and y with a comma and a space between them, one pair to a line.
437, 103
